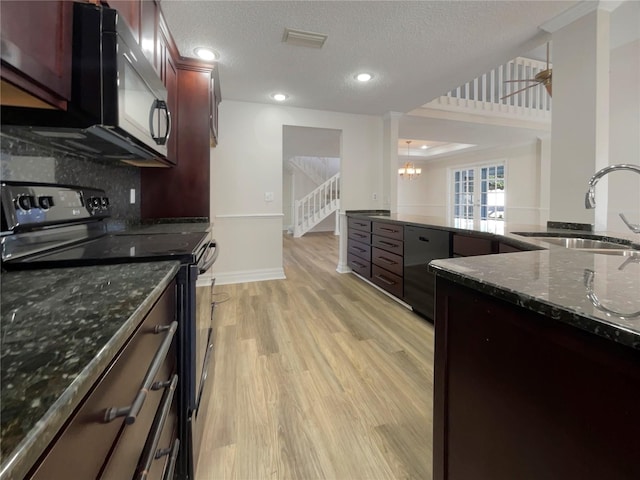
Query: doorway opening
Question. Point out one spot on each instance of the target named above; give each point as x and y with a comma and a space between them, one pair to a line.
311, 179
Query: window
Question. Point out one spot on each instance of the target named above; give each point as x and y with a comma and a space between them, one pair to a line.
479, 196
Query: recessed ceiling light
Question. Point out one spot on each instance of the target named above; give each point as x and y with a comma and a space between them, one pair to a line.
424, 147
364, 77
205, 54
279, 97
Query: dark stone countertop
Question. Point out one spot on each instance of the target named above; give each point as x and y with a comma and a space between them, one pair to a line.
595, 292
60, 329
178, 225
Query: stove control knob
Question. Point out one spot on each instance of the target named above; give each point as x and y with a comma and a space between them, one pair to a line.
45, 202
25, 202
104, 201
93, 204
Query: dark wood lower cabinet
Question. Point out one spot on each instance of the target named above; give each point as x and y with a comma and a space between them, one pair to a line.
90, 447
518, 395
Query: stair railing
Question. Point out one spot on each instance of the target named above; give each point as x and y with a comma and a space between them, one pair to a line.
487, 91
311, 209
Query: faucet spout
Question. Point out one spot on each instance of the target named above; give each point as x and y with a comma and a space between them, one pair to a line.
590, 197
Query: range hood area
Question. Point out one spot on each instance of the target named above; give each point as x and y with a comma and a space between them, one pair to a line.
118, 107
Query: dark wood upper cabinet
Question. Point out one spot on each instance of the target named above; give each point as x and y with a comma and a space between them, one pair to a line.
36, 50
183, 191
130, 11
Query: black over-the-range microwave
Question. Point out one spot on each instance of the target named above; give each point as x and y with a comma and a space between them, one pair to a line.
118, 107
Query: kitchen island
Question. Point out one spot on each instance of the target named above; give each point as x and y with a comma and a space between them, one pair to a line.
61, 330
537, 356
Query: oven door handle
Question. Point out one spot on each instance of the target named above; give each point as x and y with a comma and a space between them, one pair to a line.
212, 259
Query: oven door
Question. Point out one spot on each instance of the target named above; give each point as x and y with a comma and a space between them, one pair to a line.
205, 355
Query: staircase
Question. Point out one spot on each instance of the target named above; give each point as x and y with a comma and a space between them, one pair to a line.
316, 168
313, 208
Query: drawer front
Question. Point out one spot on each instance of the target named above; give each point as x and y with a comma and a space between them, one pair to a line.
388, 244
360, 236
358, 265
391, 282
359, 249
87, 439
389, 230
161, 446
386, 260
359, 224
126, 453
470, 246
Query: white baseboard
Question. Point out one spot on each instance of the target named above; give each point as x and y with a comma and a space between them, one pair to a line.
246, 276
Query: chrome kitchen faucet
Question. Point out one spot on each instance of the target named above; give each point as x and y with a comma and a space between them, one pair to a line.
590, 197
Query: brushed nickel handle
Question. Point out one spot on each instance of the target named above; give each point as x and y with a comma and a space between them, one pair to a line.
151, 451
361, 250
357, 264
387, 261
388, 244
172, 460
131, 411
385, 280
392, 230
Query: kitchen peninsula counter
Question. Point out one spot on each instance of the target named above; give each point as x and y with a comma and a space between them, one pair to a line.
61, 328
596, 293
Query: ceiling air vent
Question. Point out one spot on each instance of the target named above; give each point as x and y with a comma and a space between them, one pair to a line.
303, 39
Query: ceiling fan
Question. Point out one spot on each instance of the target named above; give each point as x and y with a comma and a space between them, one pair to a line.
543, 77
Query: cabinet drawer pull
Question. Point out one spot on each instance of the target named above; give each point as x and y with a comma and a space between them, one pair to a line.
388, 244
357, 264
172, 460
360, 224
131, 411
392, 230
423, 239
359, 235
361, 250
387, 261
385, 280
151, 451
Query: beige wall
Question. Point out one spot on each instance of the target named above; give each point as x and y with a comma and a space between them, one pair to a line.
429, 194
248, 162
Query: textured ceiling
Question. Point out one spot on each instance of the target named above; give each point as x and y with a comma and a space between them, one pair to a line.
415, 50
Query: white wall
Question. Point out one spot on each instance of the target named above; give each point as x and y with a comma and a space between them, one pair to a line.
624, 139
248, 162
427, 194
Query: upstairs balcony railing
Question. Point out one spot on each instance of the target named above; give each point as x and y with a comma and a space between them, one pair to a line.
491, 92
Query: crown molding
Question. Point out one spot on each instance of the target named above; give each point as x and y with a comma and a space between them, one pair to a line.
578, 11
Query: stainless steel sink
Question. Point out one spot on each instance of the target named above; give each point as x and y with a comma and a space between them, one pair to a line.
581, 243
592, 245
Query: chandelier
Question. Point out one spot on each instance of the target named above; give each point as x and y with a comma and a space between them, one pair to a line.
409, 170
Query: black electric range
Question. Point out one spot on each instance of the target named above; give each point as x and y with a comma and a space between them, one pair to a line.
58, 226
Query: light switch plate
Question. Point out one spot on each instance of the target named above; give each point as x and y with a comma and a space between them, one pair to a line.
132, 196
268, 196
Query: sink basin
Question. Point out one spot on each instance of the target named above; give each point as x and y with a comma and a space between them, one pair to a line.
584, 244
622, 252
581, 243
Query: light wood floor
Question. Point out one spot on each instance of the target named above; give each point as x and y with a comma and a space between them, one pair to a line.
318, 376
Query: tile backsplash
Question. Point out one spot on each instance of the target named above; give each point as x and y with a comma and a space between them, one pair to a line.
23, 161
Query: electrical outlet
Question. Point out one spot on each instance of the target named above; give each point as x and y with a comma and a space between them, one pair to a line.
374, 196
132, 196
268, 196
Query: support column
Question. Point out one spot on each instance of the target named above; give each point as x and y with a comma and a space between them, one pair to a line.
580, 126
390, 161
